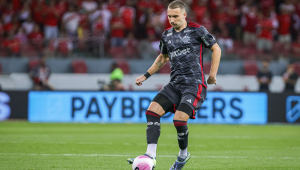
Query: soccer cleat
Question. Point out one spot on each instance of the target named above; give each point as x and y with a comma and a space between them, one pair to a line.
179, 163
131, 160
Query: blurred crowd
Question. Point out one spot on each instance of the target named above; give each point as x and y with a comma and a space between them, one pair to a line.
245, 29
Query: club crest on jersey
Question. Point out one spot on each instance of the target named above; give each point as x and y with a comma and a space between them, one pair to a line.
186, 39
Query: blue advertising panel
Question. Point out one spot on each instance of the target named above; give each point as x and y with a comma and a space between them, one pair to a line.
130, 107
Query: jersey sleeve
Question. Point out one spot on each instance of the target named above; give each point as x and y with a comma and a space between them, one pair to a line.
162, 46
205, 37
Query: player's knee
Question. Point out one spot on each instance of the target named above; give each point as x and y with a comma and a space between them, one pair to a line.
183, 112
181, 116
156, 108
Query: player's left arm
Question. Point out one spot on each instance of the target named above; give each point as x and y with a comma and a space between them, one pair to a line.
215, 62
209, 42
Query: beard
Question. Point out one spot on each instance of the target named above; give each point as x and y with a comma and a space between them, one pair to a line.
176, 26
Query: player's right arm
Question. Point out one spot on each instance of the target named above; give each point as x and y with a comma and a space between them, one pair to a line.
159, 62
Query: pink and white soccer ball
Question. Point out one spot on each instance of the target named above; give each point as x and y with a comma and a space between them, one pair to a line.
143, 163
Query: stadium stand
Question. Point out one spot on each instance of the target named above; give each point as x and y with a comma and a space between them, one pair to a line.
123, 64
79, 66
32, 63
250, 68
82, 28
297, 68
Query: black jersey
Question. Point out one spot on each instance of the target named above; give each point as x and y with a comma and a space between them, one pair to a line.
185, 49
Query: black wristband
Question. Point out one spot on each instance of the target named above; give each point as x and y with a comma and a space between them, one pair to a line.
147, 75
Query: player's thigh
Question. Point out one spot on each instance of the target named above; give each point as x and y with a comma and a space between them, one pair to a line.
160, 105
190, 103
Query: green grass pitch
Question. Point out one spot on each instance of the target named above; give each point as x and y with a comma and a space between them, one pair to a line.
27, 146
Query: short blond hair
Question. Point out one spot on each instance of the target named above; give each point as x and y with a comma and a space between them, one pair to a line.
177, 4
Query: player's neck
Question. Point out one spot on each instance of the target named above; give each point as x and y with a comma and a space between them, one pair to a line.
183, 26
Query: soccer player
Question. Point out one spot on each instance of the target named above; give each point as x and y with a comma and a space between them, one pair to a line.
182, 45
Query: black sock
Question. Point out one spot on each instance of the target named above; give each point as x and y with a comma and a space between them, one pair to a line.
182, 133
153, 127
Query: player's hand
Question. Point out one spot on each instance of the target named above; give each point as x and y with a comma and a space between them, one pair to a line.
212, 80
139, 80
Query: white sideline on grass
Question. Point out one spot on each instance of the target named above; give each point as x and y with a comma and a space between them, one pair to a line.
142, 144
116, 155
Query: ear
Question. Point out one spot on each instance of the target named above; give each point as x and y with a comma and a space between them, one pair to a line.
184, 15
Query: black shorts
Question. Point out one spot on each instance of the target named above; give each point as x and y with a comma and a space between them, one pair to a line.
191, 94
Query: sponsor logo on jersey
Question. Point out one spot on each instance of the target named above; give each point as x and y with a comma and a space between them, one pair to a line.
180, 52
204, 41
292, 108
186, 39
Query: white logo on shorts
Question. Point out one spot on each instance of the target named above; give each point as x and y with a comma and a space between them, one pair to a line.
189, 100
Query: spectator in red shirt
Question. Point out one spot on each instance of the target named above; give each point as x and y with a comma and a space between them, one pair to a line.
232, 18
12, 45
62, 7
284, 20
38, 9
128, 13
112, 6
12, 26
36, 38
220, 15
265, 37
249, 22
105, 14
130, 45
16, 5
199, 10
266, 5
40, 76
70, 21
143, 5
51, 18
63, 45
98, 27
117, 29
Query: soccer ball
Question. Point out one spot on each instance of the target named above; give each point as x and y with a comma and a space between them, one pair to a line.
143, 163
